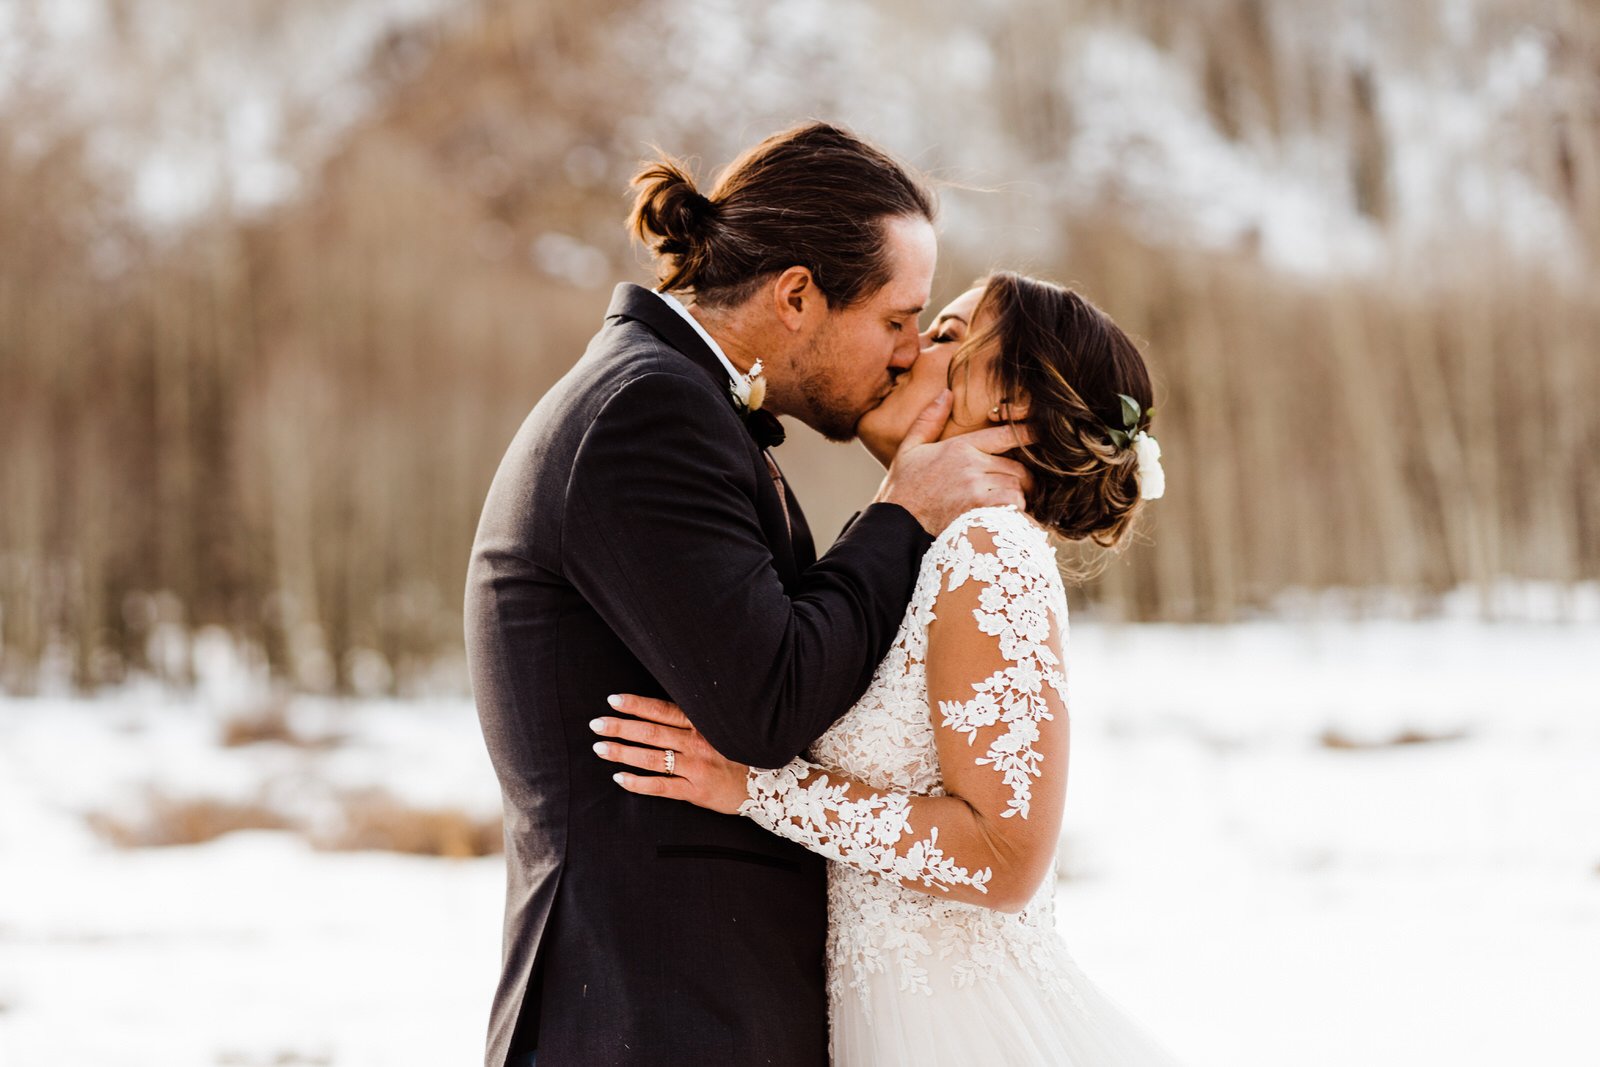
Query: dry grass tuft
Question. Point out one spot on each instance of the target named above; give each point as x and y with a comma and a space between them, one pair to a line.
169, 820
368, 820
1336, 739
375, 819
271, 724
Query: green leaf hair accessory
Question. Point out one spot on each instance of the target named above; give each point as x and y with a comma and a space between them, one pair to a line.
1146, 449
1130, 420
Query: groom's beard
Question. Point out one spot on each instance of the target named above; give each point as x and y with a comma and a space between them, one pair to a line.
828, 407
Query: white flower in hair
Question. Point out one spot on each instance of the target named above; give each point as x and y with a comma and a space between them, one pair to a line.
1146, 451
1152, 479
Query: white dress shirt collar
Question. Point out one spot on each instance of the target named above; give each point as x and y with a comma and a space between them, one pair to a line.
677, 305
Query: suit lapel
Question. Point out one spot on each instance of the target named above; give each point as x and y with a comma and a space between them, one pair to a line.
640, 304
791, 542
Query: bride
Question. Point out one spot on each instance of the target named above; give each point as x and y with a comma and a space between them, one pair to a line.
938, 797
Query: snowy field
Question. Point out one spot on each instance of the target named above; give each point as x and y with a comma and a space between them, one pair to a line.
1255, 864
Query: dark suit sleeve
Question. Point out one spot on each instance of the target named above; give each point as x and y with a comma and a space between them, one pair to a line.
661, 536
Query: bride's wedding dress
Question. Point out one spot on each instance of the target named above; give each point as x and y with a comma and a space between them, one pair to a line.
921, 979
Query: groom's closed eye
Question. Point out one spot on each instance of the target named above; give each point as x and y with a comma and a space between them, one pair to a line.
901, 318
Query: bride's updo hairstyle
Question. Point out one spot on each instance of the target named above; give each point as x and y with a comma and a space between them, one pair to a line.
815, 196
1068, 360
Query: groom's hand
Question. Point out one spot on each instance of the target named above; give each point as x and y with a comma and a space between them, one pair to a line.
939, 480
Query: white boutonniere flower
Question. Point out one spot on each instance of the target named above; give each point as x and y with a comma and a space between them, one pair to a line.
749, 390
1152, 479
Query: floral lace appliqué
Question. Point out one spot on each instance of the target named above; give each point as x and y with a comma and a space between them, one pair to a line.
1014, 607
887, 740
864, 833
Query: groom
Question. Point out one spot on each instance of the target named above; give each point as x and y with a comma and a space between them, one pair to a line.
639, 538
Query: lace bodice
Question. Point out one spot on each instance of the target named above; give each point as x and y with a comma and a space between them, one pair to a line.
906, 866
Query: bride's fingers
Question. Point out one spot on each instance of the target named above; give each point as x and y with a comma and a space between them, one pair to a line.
641, 733
646, 759
662, 711
655, 786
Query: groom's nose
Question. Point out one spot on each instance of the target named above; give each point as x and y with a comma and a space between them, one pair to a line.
906, 351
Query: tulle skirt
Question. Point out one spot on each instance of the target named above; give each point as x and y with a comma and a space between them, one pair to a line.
1009, 1019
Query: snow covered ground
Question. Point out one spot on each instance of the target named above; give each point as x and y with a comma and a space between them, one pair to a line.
1251, 865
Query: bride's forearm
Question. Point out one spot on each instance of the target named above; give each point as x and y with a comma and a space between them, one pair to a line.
939, 845
973, 843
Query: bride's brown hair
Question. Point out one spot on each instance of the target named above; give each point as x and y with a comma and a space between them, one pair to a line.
1069, 361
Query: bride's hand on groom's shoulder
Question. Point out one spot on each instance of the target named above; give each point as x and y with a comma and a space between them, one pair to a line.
660, 738
937, 481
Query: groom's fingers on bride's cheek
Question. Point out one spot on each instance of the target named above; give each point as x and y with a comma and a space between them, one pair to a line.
1010, 479
928, 424
1008, 467
1011, 473
999, 439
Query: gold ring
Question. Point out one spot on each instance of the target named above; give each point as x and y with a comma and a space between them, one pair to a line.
671, 760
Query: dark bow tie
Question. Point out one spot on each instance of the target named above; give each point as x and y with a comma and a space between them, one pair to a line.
764, 427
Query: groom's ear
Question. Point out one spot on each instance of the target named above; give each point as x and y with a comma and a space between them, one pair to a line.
797, 300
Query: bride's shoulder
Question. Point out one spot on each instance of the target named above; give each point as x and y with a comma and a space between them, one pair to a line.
1004, 531
1000, 555
1009, 522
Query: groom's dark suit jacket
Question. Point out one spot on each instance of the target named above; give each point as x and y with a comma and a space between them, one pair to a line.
634, 541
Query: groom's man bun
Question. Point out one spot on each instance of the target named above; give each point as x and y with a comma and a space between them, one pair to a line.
815, 196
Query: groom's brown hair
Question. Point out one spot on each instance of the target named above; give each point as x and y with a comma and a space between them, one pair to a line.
815, 196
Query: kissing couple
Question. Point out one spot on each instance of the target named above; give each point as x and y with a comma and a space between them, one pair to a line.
764, 806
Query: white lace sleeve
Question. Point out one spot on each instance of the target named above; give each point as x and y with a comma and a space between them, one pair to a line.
996, 679
872, 832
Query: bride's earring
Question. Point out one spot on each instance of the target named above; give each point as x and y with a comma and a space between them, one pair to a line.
994, 412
